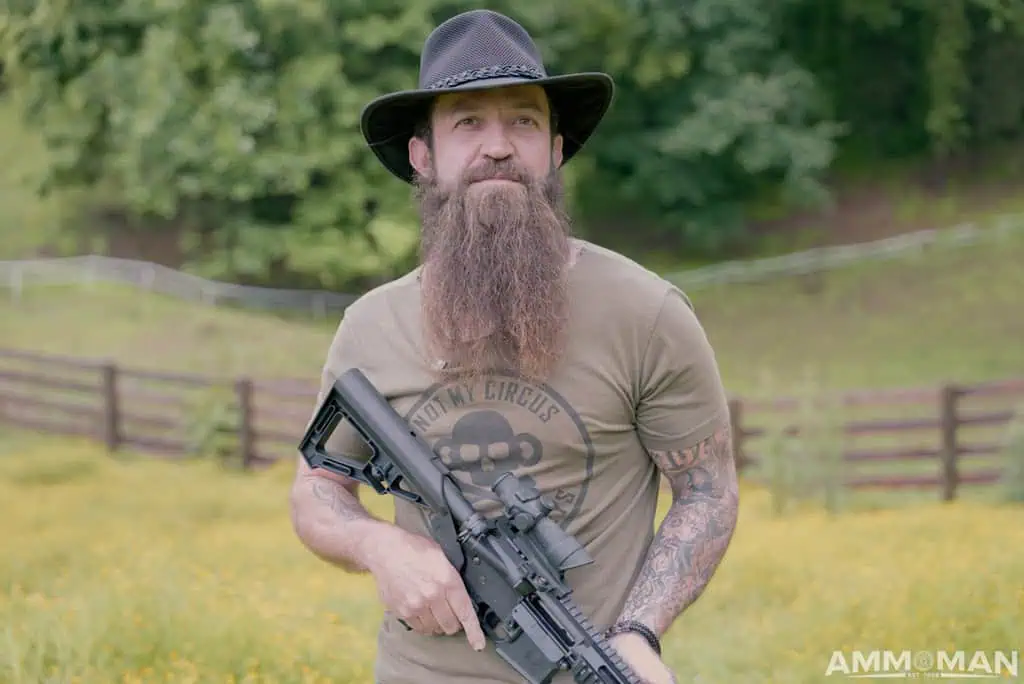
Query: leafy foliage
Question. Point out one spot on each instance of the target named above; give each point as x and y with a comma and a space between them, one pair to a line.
709, 111
914, 76
235, 123
237, 119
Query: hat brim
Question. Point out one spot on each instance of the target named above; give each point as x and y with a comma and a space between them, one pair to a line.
580, 100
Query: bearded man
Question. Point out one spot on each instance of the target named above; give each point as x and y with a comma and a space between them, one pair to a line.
516, 347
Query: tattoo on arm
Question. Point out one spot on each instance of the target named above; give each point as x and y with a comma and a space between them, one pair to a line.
694, 535
338, 499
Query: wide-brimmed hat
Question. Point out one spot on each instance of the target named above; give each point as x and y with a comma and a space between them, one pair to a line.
472, 51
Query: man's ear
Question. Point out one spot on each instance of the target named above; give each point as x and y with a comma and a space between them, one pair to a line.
556, 151
419, 156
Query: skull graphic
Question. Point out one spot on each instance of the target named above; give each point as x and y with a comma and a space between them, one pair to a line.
484, 446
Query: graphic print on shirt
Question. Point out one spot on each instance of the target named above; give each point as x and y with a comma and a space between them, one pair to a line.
502, 424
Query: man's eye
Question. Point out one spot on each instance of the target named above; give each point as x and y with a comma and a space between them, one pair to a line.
466, 121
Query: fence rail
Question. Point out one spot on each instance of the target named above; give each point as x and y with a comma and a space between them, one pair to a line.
17, 275
938, 438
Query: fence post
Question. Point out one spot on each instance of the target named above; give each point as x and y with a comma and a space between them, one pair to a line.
243, 390
949, 449
111, 407
736, 423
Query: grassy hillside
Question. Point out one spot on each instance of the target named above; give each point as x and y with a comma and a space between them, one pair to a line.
944, 314
949, 313
193, 574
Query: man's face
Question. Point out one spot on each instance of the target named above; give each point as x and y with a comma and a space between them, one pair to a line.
473, 128
495, 241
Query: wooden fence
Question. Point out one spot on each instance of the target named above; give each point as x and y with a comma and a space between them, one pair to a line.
938, 438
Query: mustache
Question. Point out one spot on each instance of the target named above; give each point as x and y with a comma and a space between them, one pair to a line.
496, 170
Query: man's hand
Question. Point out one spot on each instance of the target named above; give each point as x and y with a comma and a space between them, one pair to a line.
418, 584
644, 661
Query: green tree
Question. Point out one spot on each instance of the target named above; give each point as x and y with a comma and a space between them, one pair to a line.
710, 113
914, 77
236, 119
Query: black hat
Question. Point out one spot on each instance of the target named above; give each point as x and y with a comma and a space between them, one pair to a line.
472, 51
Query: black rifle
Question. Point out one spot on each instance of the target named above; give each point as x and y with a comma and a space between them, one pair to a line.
516, 561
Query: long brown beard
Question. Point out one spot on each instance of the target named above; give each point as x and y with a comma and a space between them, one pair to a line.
495, 260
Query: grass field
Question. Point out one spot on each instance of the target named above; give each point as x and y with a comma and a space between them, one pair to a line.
140, 571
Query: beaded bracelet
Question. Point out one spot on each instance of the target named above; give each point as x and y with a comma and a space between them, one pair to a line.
638, 627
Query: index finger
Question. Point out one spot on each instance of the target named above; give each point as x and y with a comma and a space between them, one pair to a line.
458, 599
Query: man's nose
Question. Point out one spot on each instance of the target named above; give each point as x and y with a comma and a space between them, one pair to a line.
497, 145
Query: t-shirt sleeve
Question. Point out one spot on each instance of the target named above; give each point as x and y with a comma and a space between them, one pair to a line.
345, 352
681, 396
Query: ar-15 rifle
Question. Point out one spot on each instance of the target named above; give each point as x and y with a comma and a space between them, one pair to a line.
513, 566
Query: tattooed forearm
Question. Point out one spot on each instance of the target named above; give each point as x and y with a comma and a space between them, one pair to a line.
338, 499
331, 522
694, 535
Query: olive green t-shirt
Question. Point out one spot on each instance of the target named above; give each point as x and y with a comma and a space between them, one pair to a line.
638, 374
